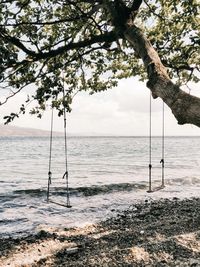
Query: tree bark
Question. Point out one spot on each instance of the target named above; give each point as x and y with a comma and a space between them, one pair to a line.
185, 107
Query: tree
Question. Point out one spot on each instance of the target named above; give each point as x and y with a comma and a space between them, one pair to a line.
91, 44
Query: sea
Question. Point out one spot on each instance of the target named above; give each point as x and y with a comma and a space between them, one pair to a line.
106, 175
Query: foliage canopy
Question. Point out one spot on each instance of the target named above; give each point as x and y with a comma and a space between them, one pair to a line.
82, 43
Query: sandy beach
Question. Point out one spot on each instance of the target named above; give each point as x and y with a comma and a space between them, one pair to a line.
157, 233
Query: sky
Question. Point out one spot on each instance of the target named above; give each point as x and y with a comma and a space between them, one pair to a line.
123, 110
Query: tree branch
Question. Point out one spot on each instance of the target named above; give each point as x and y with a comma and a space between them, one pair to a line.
185, 107
15, 41
53, 22
95, 39
136, 5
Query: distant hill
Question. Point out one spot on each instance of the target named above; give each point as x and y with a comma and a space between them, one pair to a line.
7, 130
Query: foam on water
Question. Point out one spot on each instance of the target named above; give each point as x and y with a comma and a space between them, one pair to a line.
107, 175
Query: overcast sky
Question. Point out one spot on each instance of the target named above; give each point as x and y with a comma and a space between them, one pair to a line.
121, 111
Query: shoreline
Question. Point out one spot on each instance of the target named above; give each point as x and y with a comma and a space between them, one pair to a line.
154, 233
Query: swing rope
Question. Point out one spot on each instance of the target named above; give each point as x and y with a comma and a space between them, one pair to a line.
150, 146
66, 174
50, 156
163, 146
150, 141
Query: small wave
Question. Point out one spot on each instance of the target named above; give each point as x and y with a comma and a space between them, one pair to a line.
184, 181
6, 197
31, 192
108, 188
84, 190
102, 188
9, 221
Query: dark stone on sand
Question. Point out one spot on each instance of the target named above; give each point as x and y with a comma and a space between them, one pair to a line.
148, 234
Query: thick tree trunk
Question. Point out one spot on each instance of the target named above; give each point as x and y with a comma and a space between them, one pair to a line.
185, 107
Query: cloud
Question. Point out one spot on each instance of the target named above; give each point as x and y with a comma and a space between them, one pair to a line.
121, 111
133, 96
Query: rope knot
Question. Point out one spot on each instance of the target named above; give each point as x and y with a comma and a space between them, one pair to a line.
49, 174
65, 175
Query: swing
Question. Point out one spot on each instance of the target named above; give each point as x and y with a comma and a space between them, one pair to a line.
150, 150
66, 174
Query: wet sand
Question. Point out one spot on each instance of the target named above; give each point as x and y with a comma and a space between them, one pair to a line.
158, 233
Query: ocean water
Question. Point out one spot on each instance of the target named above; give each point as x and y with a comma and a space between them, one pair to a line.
106, 175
